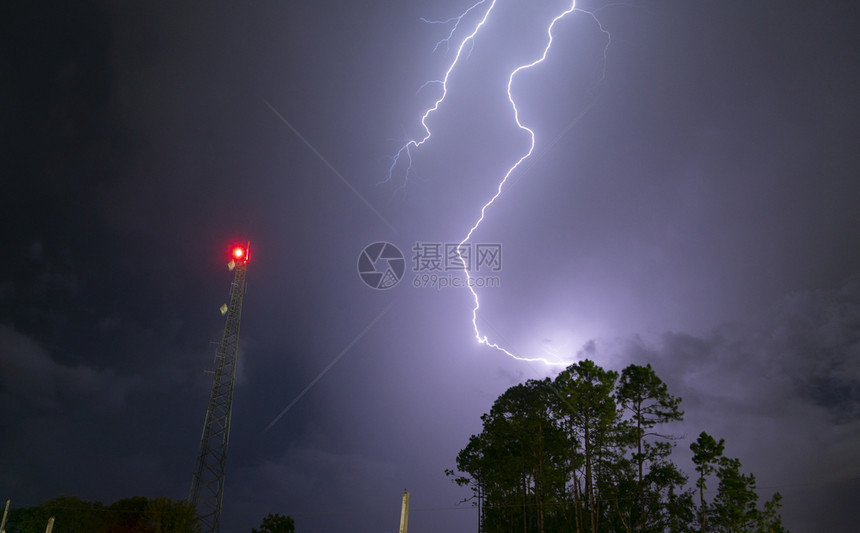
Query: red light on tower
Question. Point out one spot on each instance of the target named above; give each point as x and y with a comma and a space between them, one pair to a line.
240, 253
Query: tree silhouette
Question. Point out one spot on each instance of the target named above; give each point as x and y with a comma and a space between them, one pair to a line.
276, 523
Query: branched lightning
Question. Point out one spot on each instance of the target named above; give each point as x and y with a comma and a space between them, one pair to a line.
456, 20
406, 150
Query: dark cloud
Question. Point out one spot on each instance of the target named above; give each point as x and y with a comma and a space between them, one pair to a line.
775, 389
31, 379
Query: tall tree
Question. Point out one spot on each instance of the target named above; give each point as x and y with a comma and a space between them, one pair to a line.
680, 511
471, 473
664, 494
706, 455
735, 508
770, 520
646, 399
588, 413
516, 465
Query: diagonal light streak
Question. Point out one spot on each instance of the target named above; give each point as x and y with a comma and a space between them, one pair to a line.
330, 166
328, 367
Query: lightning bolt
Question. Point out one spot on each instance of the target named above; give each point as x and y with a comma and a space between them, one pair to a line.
406, 150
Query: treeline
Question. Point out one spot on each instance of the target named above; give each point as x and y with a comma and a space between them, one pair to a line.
129, 515
588, 452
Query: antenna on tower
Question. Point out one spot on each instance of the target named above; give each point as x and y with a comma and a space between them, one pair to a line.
207, 485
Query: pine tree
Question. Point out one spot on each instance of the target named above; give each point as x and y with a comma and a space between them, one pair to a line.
588, 413
646, 399
735, 504
706, 455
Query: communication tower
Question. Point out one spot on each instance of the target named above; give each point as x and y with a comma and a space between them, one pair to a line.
207, 485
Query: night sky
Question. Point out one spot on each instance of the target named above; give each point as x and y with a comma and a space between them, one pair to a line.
692, 203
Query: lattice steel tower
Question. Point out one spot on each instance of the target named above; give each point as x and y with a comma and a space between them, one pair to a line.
207, 485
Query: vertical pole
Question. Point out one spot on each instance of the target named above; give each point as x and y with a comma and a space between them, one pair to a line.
404, 512
50, 525
5, 515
